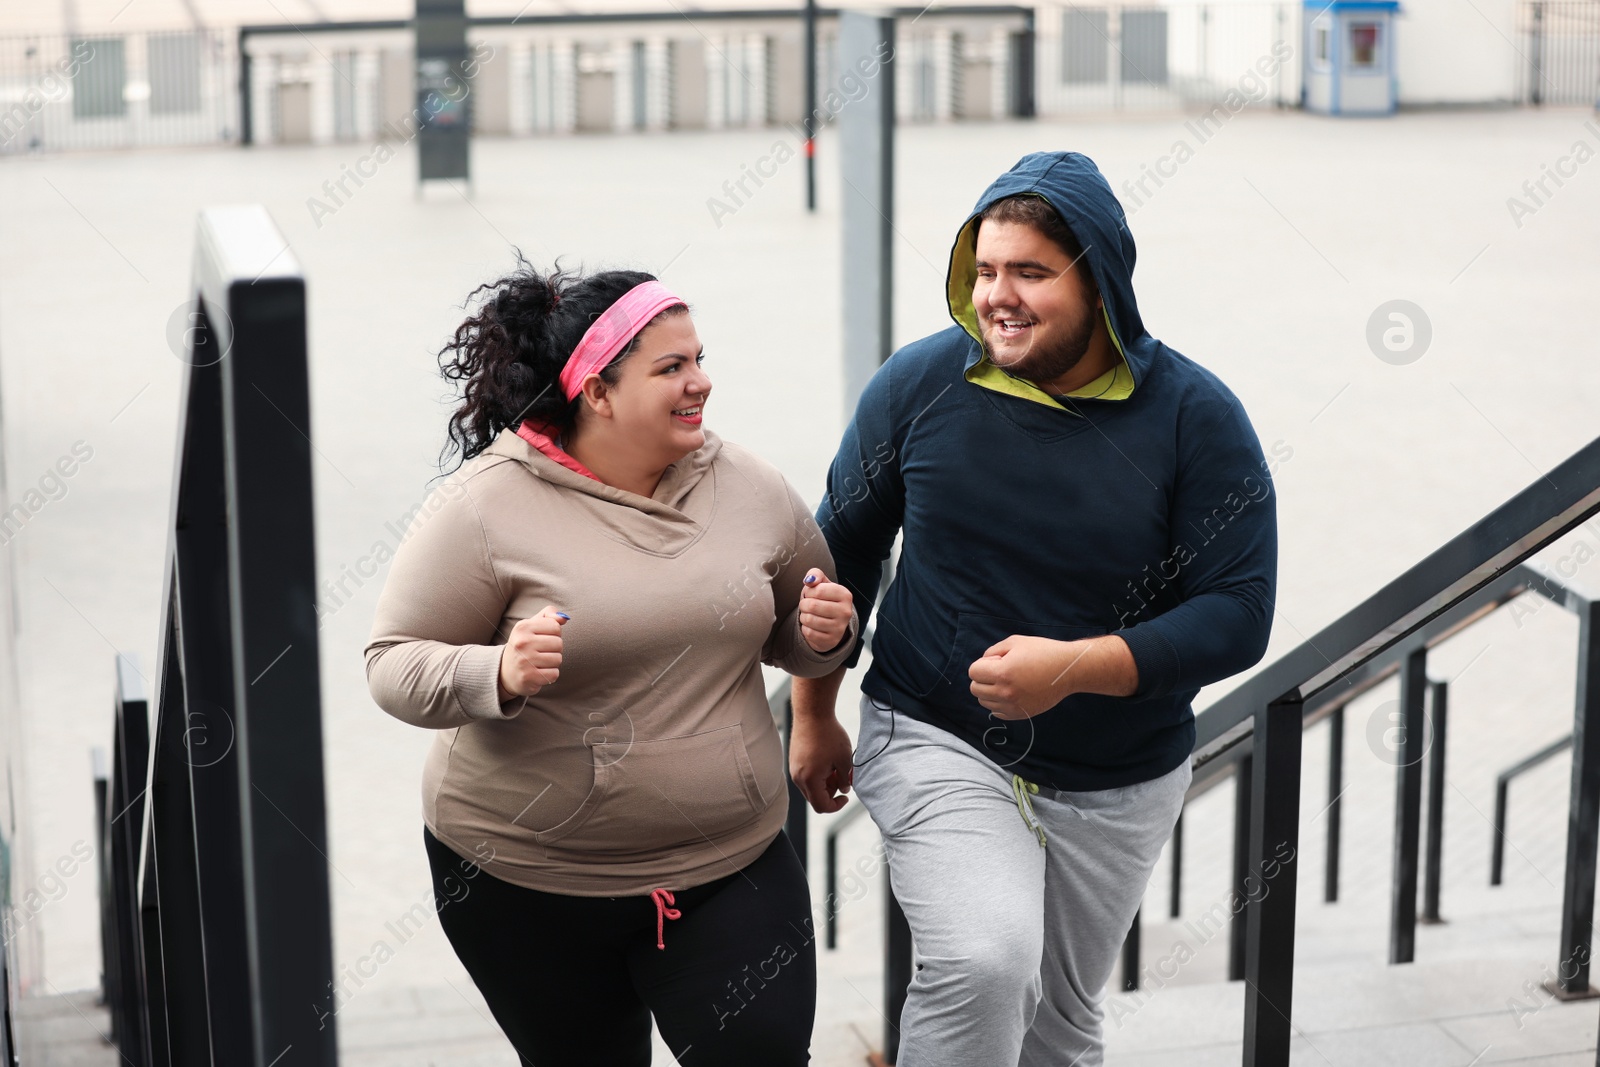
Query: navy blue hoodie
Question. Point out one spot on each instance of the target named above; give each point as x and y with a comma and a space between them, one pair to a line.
1152, 516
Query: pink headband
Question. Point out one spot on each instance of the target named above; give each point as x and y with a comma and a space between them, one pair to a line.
611, 332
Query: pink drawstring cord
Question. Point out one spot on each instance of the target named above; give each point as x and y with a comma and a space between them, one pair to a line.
663, 900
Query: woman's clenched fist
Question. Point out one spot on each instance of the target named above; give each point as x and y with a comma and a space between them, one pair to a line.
531, 658
825, 610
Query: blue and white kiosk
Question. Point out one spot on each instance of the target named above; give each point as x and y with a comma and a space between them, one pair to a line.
1349, 50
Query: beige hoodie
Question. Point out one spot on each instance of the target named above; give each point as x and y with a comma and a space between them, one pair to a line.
653, 760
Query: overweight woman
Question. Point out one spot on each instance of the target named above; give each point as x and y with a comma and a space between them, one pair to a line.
581, 611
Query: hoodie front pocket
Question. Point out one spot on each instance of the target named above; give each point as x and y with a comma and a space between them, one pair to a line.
675, 792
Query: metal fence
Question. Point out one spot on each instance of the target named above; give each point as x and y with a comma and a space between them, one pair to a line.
641, 71
1113, 57
577, 74
1559, 42
117, 91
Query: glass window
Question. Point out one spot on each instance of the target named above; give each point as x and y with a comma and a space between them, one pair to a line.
1322, 37
1363, 45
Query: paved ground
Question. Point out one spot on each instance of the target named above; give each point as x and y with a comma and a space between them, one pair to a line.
1264, 257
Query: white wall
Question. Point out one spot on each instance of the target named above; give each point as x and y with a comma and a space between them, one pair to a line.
1449, 53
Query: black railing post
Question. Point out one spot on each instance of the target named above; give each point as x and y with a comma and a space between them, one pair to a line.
1175, 887
1130, 956
1408, 807
1433, 850
796, 825
1330, 876
173, 869
130, 752
897, 966
276, 698
1243, 778
101, 775
200, 670
1583, 815
1497, 847
1502, 800
1270, 909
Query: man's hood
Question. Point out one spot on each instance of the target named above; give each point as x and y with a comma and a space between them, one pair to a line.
1074, 186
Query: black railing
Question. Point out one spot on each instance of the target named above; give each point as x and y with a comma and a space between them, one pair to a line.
1253, 736
1258, 726
1502, 786
219, 936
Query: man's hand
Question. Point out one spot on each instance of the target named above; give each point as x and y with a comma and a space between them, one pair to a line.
531, 658
820, 754
825, 610
1023, 676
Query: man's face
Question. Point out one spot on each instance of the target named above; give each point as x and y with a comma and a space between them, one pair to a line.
1036, 307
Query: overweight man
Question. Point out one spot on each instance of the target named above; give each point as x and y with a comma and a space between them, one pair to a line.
1088, 537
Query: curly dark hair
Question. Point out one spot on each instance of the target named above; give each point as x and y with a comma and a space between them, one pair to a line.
509, 354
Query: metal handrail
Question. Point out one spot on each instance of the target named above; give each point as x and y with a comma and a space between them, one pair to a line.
218, 908
1502, 782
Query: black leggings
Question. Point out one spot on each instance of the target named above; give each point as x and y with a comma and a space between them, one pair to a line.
575, 980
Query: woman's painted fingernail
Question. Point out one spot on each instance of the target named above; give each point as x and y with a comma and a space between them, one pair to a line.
811, 579
563, 616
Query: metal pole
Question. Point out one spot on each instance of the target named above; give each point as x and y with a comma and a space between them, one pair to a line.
130, 757
1130, 956
1408, 808
1243, 779
101, 777
1433, 850
1274, 852
1536, 54
246, 114
796, 825
1583, 815
866, 158
830, 900
1176, 889
1330, 882
1497, 850
811, 104
1277, 77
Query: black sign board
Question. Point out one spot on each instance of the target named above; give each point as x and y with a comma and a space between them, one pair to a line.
444, 110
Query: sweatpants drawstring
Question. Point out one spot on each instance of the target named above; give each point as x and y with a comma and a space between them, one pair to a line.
1021, 788
664, 900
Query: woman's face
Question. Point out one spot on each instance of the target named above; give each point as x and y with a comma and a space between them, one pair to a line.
660, 395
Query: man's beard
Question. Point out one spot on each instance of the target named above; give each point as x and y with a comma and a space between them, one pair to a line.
1043, 365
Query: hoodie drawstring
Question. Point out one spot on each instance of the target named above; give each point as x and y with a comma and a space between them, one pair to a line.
1021, 788
663, 900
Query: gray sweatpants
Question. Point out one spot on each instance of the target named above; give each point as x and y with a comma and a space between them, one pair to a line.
1014, 942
